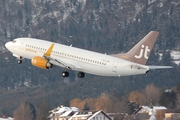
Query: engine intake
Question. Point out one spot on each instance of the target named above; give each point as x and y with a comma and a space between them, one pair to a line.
41, 62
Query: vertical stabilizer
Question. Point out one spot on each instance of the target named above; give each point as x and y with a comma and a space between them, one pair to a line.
141, 51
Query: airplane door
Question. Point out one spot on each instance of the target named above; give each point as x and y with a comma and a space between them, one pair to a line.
115, 65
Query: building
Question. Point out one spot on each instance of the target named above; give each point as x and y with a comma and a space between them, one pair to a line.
6, 118
172, 116
90, 115
62, 113
72, 113
150, 110
148, 113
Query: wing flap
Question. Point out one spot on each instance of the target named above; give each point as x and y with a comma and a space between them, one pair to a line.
63, 64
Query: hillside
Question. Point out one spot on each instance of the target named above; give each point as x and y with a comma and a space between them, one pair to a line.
98, 25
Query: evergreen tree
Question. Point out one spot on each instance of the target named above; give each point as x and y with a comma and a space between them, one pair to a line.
168, 99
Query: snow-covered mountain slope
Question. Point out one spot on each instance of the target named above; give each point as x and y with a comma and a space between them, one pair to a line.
61, 20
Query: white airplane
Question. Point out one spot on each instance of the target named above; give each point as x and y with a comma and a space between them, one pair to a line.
46, 54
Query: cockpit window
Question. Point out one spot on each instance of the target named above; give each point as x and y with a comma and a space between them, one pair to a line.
14, 41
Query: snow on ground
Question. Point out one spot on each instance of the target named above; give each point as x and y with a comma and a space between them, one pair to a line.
9, 118
151, 1
147, 109
175, 55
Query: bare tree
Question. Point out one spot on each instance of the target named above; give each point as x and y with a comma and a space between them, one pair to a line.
77, 103
90, 102
26, 111
137, 97
104, 103
152, 93
42, 110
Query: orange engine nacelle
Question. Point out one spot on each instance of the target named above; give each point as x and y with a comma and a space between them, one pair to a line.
41, 62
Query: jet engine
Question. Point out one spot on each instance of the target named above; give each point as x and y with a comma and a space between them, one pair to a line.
41, 62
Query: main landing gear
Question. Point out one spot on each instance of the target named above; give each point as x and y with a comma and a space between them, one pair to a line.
66, 74
19, 60
81, 75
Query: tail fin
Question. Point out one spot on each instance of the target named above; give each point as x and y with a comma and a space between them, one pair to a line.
141, 51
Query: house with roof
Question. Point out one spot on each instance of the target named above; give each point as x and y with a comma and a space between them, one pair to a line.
72, 113
148, 113
90, 115
62, 113
150, 110
170, 116
6, 118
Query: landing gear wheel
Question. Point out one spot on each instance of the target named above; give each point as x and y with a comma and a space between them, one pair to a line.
19, 61
81, 75
65, 74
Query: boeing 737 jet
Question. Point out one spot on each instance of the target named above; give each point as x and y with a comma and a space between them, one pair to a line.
46, 54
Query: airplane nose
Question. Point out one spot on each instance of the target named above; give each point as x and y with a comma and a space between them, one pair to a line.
8, 45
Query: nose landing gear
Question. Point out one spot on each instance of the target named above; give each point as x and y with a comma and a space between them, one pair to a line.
65, 74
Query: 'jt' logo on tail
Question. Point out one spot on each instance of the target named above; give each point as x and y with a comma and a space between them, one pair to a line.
143, 51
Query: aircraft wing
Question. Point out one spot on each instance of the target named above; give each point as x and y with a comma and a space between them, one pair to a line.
60, 63
159, 67
63, 64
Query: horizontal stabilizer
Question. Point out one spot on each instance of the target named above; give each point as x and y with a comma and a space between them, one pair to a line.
159, 67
